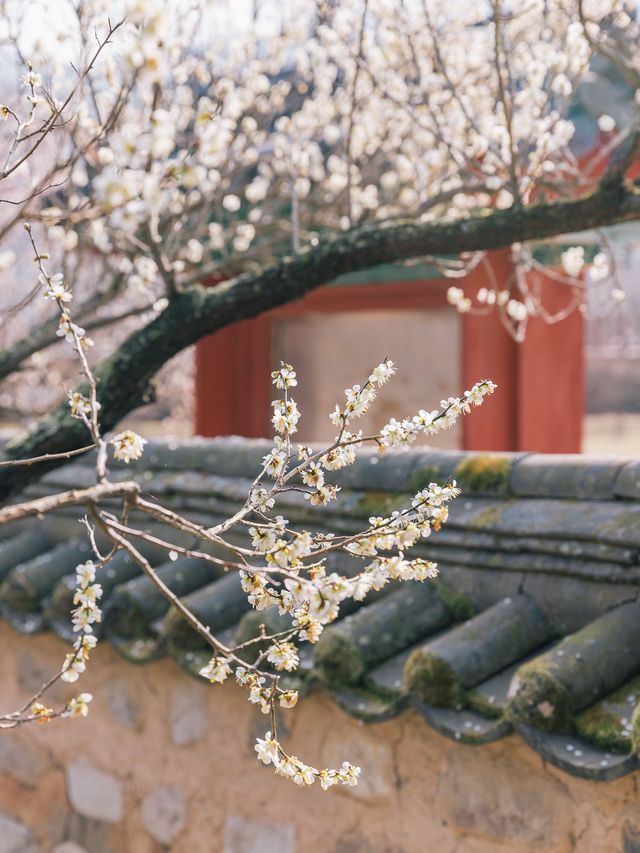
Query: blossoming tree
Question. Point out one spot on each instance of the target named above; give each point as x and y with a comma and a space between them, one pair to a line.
187, 145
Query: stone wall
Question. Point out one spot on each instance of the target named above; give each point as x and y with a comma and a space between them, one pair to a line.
166, 763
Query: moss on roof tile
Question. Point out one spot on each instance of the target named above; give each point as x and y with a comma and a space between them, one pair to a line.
433, 681
486, 474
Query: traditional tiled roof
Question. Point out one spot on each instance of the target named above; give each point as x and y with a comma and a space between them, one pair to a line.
533, 625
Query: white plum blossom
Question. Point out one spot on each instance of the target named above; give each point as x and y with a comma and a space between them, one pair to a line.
288, 698
517, 310
217, 670
267, 749
456, 297
80, 405
573, 261
128, 446
383, 372
55, 288
85, 574
231, 203
284, 656
606, 123
285, 416
78, 706
599, 268
285, 377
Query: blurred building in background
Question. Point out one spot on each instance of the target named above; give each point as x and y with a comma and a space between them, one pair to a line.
336, 335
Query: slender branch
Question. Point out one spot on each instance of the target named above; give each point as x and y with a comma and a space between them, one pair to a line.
50, 122
47, 457
171, 597
499, 51
352, 110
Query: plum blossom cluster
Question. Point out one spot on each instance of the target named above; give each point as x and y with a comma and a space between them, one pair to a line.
185, 162
178, 157
488, 298
85, 615
128, 446
574, 264
77, 706
286, 570
269, 751
405, 432
87, 612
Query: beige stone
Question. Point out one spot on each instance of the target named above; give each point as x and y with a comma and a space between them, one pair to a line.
92, 792
22, 758
188, 714
164, 813
245, 835
124, 704
15, 837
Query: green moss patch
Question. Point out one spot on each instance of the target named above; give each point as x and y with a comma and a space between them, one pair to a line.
125, 619
338, 659
489, 518
378, 503
181, 637
542, 700
18, 593
421, 478
479, 703
369, 703
635, 729
432, 680
603, 728
606, 723
458, 604
484, 475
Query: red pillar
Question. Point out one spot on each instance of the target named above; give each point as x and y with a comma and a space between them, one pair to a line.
232, 388
489, 352
539, 404
551, 379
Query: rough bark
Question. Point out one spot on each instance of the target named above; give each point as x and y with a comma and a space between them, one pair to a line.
124, 378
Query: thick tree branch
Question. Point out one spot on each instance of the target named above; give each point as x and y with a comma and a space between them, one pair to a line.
123, 380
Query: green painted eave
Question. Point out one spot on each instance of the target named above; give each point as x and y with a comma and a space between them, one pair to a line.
389, 273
